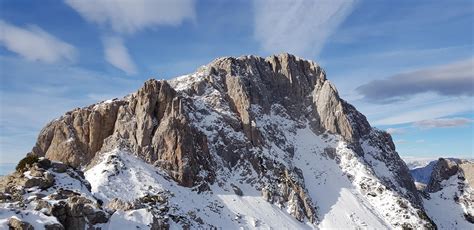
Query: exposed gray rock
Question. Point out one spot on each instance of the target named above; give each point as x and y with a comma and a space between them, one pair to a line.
289, 190
468, 172
59, 167
43, 206
36, 172
159, 224
44, 163
117, 204
43, 180
54, 226
78, 212
16, 224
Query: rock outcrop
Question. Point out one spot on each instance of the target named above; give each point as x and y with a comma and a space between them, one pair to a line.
16, 224
442, 170
38, 188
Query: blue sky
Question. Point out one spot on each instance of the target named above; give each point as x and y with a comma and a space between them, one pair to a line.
407, 65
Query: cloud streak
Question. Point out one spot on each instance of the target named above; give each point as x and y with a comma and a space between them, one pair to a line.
454, 79
35, 44
127, 17
403, 114
301, 26
442, 123
395, 131
117, 55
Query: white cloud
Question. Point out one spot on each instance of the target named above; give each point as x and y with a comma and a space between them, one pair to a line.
117, 55
300, 26
410, 112
395, 131
129, 16
35, 44
443, 123
453, 79
401, 141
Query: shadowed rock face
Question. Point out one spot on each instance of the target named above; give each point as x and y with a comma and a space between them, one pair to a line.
442, 170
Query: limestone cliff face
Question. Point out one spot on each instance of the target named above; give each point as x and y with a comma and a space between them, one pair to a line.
75, 137
151, 123
206, 123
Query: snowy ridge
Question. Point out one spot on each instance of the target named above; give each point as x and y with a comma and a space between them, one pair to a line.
124, 176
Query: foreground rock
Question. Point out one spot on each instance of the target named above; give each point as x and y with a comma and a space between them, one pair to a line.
54, 190
16, 224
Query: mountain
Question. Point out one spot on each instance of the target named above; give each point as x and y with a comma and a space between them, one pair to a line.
446, 185
245, 142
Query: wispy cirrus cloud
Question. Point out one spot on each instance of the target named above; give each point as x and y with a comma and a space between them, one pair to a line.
443, 123
395, 131
411, 17
404, 113
401, 141
454, 79
117, 55
126, 16
35, 44
300, 26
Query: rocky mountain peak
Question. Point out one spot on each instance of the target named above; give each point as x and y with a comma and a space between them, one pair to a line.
300, 86
274, 125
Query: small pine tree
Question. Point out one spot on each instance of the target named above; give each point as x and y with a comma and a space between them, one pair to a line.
28, 160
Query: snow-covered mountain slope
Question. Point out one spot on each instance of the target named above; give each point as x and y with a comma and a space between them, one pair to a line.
248, 142
451, 207
227, 206
449, 194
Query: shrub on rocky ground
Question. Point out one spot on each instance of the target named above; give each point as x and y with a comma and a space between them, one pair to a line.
28, 160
